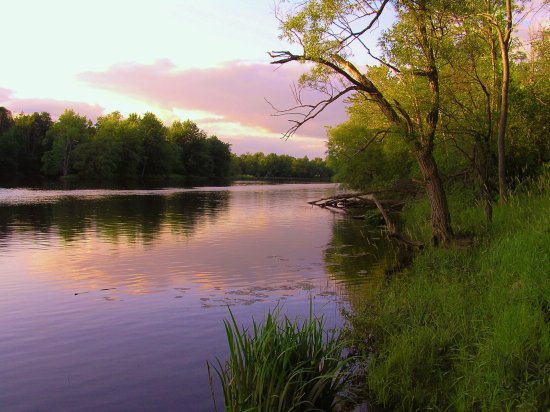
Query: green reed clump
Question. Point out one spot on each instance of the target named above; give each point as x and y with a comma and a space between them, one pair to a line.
467, 329
282, 365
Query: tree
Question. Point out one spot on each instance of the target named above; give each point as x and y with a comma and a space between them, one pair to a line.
504, 31
250, 164
220, 153
100, 157
193, 148
9, 149
300, 167
30, 132
469, 96
157, 157
131, 147
377, 166
327, 29
6, 120
528, 138
70, 130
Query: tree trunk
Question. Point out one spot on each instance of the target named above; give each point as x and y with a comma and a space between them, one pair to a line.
484, 170
504, 41
66, 154
442, 232
502, 186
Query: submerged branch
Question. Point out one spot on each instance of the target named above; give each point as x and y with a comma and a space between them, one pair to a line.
345, 202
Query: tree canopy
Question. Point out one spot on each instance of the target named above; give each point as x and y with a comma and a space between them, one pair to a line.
436, 91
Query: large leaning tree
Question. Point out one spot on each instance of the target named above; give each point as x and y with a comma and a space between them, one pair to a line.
331, 33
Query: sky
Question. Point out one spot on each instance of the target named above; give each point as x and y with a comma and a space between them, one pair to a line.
181, 59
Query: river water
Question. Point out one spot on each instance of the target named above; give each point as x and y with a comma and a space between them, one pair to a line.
114, 300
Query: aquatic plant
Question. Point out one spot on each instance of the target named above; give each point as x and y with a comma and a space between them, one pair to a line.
282, 365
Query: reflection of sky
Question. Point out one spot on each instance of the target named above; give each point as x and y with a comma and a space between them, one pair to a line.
84, 315
258, 233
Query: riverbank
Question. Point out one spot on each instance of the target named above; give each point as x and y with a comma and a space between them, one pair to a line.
465, 328
71, 182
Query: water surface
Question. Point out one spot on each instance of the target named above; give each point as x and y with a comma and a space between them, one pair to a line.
114, 300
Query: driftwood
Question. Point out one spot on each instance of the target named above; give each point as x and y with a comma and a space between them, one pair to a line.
343, 203
366, 200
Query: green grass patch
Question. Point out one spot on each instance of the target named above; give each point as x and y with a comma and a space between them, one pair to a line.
282, 365
466, 329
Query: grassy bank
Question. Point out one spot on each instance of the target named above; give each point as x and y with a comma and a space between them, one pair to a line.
466, 329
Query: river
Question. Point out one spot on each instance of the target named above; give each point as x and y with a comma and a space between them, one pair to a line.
114, 300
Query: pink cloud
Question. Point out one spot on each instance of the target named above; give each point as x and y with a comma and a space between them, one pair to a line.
238, 92
52, 106
5, 94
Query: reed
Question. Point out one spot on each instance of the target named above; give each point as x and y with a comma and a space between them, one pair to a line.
282, 365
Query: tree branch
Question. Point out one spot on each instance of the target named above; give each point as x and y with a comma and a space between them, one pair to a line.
307, 112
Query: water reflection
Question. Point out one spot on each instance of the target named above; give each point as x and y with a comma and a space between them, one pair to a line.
115, 300
360, 256
115, 219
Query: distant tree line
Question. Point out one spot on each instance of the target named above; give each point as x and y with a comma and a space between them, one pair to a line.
115, 147
136, 147
272, 165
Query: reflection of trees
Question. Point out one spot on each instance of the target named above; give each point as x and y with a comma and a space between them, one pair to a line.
359, 256
115, 218
24, 218
183, 212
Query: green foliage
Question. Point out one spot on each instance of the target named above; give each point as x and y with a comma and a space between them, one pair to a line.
220, 153
467, 329
272, 165
135, 147
364, 161
198, 154
9, 151
282, 365
69, 131
22, 143
100, 157
31, 133
6, 120
529, 134
155, 154
313, 21
115, 148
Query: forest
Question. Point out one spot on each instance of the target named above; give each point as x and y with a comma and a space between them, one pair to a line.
34, 146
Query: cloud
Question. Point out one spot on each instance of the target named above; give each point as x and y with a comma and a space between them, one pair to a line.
5, 94
54, 107
236, 92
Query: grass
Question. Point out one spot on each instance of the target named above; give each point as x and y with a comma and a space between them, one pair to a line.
466, 329
282, 365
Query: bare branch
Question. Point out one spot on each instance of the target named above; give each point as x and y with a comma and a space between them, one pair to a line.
356, 35
309, 112
378, 59
372, 139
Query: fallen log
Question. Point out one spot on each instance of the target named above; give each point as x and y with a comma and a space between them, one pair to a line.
363, 200
342, 204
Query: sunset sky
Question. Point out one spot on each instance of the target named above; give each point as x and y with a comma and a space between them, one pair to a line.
200, 60
180, 59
